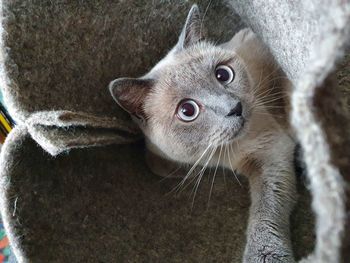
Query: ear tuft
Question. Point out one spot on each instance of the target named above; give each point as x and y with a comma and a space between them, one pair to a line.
191, 33
130, 94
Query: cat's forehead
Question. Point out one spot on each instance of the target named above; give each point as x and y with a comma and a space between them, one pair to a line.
202, 56
196, 60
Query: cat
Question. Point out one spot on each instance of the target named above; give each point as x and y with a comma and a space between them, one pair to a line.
201, 99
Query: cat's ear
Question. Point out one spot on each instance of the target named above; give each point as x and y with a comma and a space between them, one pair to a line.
191, 33
130, 94
240, 38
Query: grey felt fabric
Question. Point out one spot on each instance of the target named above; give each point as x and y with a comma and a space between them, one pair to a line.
59, 131
106, 206
102, 204
307, 38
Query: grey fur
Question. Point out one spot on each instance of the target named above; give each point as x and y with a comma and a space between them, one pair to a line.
187, 72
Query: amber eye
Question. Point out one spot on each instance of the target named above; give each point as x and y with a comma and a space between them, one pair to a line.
224, 74
188, 110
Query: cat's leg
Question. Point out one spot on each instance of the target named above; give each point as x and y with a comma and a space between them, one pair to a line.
273, 195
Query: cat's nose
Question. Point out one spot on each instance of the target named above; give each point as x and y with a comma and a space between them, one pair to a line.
236, 111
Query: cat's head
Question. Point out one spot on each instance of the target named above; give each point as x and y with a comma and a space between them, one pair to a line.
198, 95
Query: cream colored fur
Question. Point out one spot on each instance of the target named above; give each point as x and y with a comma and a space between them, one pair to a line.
261, 147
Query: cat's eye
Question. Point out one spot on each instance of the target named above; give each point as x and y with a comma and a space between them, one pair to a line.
188, 110
224, 74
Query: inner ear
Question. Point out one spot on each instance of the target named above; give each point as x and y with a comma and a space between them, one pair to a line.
131, 93
239, 39
191, 32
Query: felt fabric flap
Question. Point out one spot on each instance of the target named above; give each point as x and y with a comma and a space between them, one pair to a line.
307, 38
59, 131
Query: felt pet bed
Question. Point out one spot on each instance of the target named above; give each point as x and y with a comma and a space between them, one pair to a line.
74, 183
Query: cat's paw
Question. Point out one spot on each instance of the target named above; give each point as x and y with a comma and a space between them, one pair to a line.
267, 254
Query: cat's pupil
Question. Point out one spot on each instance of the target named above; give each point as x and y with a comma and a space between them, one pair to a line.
222, 74
188, 109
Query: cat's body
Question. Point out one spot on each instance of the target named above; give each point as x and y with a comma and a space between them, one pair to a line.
265, 123
208, 105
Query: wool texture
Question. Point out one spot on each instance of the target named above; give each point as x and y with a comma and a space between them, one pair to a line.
307, 38
59, 131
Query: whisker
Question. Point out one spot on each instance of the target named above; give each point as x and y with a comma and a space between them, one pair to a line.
176, 188
203, 168
255, 88
201, 173
263, 103
270, 95
271, 115
265, 78
268, 79
233, 170
202, 20
223, 168
212, 183
268, 107
269, 91
170, 174
266, 91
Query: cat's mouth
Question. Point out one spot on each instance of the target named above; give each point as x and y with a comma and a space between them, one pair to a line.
239, 130
231, 134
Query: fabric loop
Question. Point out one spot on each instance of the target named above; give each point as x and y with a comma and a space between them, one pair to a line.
60, 131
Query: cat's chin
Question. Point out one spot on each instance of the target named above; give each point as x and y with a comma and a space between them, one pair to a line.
235, 135
242, 130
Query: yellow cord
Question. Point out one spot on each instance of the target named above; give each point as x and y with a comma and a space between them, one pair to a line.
5, 123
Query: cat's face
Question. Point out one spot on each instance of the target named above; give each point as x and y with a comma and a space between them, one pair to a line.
198, 96
201, 97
